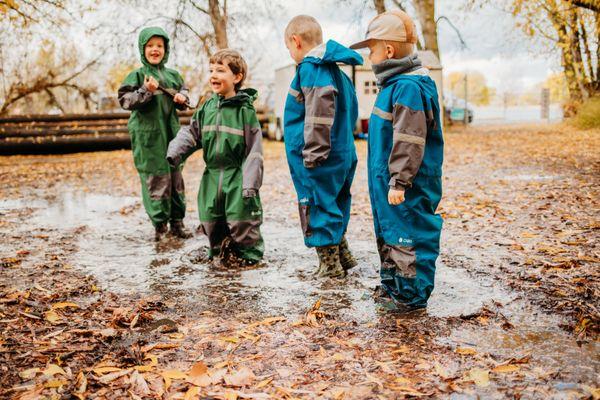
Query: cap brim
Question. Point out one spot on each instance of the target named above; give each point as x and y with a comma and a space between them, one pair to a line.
361, 45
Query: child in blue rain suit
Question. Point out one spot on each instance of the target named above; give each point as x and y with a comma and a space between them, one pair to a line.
405, 161
319, 120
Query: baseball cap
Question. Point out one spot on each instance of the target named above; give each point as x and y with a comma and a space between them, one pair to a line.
394, 25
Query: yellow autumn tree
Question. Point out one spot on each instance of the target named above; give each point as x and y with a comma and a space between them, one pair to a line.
569, 27
478, 92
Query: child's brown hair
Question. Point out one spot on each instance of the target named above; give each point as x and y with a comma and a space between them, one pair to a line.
234, 61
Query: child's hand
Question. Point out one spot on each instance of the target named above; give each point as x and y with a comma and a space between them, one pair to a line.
150, 83
395, 197
179, 98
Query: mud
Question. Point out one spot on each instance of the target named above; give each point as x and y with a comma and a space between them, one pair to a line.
108, 236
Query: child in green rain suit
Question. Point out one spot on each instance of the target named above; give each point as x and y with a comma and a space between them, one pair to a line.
227, 129
153, 93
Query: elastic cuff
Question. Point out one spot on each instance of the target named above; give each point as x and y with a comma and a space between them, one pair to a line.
246, 193
396, 184
174, 161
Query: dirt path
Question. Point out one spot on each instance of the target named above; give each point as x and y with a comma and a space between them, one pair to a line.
90, 306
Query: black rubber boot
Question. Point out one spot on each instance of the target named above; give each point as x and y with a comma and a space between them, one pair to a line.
329, 262
160, 231
346, 258
178, 230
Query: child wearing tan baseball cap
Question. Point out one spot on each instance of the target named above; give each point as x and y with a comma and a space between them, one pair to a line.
405, 161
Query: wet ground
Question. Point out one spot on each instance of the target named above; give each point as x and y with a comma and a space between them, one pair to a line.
482, 335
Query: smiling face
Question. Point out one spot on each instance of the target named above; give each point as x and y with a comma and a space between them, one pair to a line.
223, 80
154, 51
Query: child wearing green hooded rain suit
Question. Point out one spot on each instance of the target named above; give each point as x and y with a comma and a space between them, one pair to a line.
153, 93
227, 129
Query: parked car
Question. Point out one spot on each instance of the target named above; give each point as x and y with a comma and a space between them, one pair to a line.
454, 109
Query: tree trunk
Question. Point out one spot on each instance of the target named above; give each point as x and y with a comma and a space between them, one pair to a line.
426, 13
218, 18
575, 49
566, 59
379, 6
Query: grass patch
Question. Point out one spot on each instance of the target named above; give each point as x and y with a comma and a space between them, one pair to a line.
588, 116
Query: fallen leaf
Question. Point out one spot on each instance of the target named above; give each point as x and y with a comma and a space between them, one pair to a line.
105, 370
264, 383
506, 368
53, 369
139, 384
64, 305
191, 393
481, 377
55, 383
112, 376
52, 316
242, 377
29, 373
467, 351
198, 369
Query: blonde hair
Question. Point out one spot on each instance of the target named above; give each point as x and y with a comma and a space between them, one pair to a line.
234, 61
306, 27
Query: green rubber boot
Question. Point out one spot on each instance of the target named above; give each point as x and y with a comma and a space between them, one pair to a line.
329, 262
346, 258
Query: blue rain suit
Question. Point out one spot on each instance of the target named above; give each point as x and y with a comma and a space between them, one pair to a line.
319, 120
406, 152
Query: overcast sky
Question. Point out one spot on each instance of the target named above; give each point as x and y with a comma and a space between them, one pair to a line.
495, 47
508, 59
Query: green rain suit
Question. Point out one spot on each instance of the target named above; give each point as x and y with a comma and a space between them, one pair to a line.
228, 200
152, 125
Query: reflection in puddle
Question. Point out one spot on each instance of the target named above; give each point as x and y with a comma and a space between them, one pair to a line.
117, 249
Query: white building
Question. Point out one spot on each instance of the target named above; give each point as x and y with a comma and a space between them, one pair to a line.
364, 81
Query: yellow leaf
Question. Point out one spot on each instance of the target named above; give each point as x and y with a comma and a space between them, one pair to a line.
506, 368
191, 393
105, 370
481, 377
174, 374
53, 369
529, 235
52, 317
29, 373
230, 396
467, 351
231, 339
264, 383
55, 383
64, 305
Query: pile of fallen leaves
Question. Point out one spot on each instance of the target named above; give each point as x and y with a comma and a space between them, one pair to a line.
522, 202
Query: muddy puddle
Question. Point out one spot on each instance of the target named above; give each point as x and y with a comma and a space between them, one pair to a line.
113, 242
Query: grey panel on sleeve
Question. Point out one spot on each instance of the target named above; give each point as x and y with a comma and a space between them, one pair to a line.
252, 174
133, 97
320, 114
187, 140
408, 147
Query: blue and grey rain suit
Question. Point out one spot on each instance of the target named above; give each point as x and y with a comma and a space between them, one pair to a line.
406, 152
320, 116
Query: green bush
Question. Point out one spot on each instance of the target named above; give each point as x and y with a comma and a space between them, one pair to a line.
588, 115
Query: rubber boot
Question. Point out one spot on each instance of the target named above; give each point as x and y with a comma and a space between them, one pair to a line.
160, 230
178, 230
329, 262
346, 258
